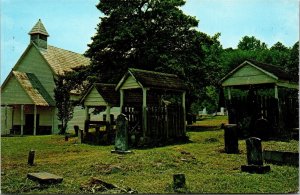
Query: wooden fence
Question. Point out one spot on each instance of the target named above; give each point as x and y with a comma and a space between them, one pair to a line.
162, 122
282, 115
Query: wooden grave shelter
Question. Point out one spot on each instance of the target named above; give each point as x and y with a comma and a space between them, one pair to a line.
278, 106
100, 95
144, 100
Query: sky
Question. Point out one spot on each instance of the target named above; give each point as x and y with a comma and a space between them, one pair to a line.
72, 23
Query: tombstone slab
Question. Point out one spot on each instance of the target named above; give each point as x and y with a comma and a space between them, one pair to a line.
45, 178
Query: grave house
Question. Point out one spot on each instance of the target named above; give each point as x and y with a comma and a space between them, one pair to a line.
27, 94
144, 100
102, 96
262, 99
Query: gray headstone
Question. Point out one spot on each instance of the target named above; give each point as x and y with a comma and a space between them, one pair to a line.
121, 141
254, 151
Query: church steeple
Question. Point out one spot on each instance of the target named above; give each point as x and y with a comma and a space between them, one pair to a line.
39, 35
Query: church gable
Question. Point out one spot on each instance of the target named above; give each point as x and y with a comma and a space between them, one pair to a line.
33, 62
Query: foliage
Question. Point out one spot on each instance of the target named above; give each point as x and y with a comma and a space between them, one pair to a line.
152, 35
64, 105
207, 168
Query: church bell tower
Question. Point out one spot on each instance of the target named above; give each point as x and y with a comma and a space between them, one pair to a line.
39, 35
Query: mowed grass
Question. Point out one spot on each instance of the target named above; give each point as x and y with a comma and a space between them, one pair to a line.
206, 167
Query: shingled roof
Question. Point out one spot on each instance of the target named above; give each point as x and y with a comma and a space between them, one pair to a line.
107, 91
157, 80
62, 60
39, 29
275, 70
34, 88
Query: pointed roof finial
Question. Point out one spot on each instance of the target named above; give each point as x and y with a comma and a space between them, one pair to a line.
39, 29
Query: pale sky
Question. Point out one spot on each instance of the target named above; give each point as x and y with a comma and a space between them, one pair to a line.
72, 23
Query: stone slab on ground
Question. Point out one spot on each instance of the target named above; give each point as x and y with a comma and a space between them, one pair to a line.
256, 168
45, 178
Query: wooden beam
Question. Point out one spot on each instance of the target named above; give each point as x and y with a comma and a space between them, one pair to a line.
108, 114
144, 111
276, 91
5, 121
53, 118
229, 93
87, 117
121, 100
184, 112
22, 119
34, 119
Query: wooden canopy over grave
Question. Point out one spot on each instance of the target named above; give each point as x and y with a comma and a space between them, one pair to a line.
142, 95
252, 75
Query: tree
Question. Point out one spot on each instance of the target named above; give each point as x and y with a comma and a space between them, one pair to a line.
63, 103
151, 35
251, 43
293, 64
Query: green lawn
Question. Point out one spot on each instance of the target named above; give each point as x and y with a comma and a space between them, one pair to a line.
207, 168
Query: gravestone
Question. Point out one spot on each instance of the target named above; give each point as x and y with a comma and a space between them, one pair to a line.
97, 134
254, 157
231, 139
31, 157
76, 129
178, 181
121, 140
80, 136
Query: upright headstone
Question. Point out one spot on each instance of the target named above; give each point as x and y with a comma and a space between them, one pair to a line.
97, 134
80, 136
231, 139
204, 112
254, 151
121, 140
31, 157
254, 157
222, 111
76, 129
178, 181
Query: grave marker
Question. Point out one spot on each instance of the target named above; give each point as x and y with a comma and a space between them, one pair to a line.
254, 157
121, 140
231, 139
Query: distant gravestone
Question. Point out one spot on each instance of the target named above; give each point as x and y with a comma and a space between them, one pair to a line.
121, 140
231, 139
254, 157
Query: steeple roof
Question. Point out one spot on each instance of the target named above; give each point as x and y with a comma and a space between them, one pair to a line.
39, 29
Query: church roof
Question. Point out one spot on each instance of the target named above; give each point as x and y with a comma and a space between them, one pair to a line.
62, 60
34, 88
39, 29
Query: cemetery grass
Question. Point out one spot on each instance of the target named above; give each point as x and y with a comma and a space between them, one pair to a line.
203, 161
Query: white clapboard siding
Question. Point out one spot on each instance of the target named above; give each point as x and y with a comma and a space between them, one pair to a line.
130, 83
